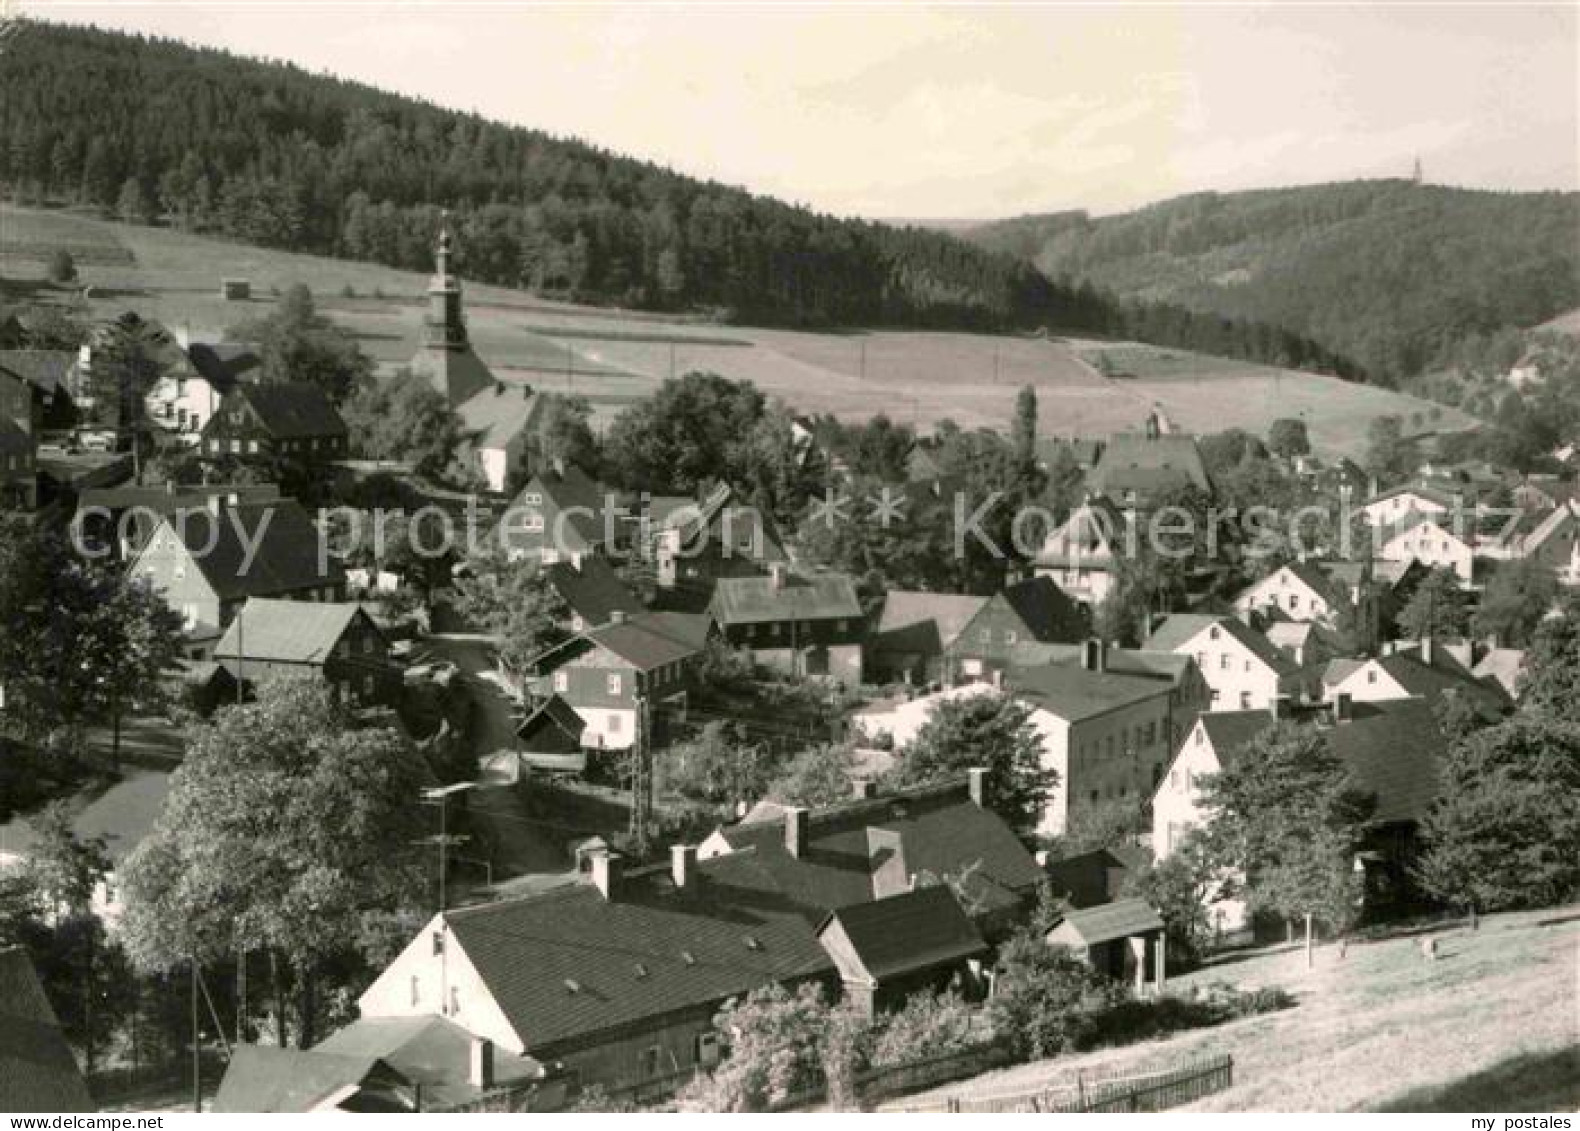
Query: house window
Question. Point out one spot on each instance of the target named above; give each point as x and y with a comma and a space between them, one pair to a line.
532, 499
613, 683
562, 681
616, 723
650, 1057
1294, 600
707, 1049
1371, 675
1009, 636
1245, 700
1223, 661
1212, 633
455, 1001
369, 684
252, 447
534, 522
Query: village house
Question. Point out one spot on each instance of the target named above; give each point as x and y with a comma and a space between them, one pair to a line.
1502, 666
207, 563
1421, 538
612, 674
1304, 643
294, 421
1082, 556
591, 589
187, 397
804, 624
335, 641
1424, 670
1243, 668
1299, 591
876, 846
35, 390
120, 520
912, 942
559, 514
1139, 468
690, 545
933, 637
1393, 752
1123, 939
529, 974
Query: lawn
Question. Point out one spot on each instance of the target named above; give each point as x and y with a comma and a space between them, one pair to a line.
613, 357
1492, 1025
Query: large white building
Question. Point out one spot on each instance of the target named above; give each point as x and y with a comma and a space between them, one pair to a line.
1244, 670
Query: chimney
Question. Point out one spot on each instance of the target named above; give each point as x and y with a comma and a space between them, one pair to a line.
1426, 650
606, 872
1094, 657
776, 572
976, 776
480, 1071
683, 864
617, 616
1341, 707
1146, 626
797, 830
864, 790
1390, 647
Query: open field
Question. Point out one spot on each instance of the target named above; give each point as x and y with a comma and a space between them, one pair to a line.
613, 357
1492, 1025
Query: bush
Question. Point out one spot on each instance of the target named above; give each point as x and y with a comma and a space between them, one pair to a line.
927, 1025
1045, 998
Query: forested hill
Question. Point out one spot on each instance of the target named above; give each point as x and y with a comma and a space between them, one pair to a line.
1389, 273
270, 154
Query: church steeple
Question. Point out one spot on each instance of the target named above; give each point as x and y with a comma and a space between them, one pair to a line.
446, 356
445, 324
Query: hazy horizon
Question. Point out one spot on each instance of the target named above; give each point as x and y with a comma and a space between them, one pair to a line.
964, 114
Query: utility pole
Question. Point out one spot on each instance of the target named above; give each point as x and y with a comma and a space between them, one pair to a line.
441, 796
641, 778
197, 1059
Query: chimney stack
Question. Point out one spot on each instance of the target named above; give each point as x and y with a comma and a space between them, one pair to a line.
776, 573
864, 790
683, 865
617, 616
1094, 654
606, 873
798, 823
480, 1072
977, 777
1342, 709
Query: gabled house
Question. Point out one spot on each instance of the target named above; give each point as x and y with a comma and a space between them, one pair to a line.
1392, 750
1082, 556
445, 1065
874, 847
1303, 643
890, 948
1299, 591
691, 545
208, 562
1426, 671
1425, 539
1123, 939
1395, 505
35, 390
612, 673
1552, 539
1242, 667
559, 514
187, 397
912, 631
334, 641
806, 624
266, 1079
1088, 879
1138, 468
293, 421
591, 589
550, 738
38, 1072
122, 519
614, 981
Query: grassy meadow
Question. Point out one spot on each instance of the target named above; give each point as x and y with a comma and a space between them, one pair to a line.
614, 357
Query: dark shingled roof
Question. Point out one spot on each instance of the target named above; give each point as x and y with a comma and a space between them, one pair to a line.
1109, 921
294, 410
568, 965
261, 1078
1445, 674
48, 371
762, 600
552, 727
13, 440
592, 589
432, 1051
564, 491
923, 623
940, 832
1047, 611
1135, 462
1072, 692
37, 1070
286, 558
904, 933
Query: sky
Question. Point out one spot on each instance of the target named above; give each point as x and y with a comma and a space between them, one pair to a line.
964, 112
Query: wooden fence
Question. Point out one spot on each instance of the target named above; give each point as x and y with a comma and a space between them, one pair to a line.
1155, 1092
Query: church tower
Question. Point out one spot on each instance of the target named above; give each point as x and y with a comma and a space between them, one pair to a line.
446, 356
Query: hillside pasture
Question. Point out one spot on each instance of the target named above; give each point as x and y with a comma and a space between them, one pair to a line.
614, 357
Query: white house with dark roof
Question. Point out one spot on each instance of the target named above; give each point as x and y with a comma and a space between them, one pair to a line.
1425, 670
1393, 506
1242, 667
1298, 591
1423, 538
559, 514
1082, 555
